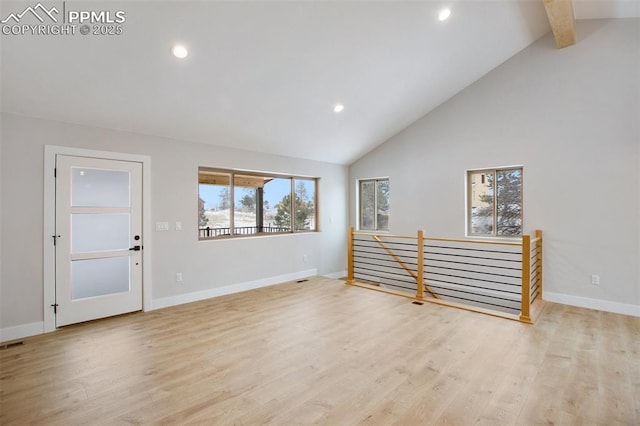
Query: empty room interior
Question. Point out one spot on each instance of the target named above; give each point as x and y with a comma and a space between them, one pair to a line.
320, 212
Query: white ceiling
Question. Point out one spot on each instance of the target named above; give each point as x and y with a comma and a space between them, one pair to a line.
264, 76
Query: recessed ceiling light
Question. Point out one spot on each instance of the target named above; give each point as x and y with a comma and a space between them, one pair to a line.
338, 108
179, 51
444, 14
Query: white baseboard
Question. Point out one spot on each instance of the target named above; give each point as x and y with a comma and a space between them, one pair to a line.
600, 305
336, 275
180, 299
21, 331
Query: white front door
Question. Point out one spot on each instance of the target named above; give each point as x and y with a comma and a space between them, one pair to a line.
98, 238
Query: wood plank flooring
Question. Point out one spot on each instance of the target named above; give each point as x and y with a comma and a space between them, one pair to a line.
320, 352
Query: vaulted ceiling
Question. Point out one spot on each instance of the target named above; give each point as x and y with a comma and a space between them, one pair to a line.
265, 76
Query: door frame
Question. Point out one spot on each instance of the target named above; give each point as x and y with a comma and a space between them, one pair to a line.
49, 226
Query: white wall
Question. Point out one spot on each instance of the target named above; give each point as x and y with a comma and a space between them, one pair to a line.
2, 182
571, 117
206, 265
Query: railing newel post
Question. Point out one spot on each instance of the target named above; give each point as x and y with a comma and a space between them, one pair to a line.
525, 314
420, 272
350, 272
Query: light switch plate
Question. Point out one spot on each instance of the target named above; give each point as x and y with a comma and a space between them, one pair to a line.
162, 226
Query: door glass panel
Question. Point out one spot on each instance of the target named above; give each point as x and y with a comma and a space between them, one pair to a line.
99, 232
99, 188
99, 277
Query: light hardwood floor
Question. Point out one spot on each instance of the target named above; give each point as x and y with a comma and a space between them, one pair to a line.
324, 353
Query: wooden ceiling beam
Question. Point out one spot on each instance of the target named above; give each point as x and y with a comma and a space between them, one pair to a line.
562, 20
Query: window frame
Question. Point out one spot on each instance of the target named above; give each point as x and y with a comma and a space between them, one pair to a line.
232, 173
469, 196
375, 201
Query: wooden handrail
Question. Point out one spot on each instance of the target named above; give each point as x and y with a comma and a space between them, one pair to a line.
498, 243
370, 234
453, 240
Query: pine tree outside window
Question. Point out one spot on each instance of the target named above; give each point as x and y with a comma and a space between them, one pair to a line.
373, 195
494, 202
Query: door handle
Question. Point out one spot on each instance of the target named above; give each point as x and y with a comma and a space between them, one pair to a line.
136, 248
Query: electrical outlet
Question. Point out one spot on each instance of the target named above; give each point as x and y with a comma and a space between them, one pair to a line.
178, 277
595, 279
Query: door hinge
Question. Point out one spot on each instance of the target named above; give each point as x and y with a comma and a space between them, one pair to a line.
55, 308
55, 172
55, 238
